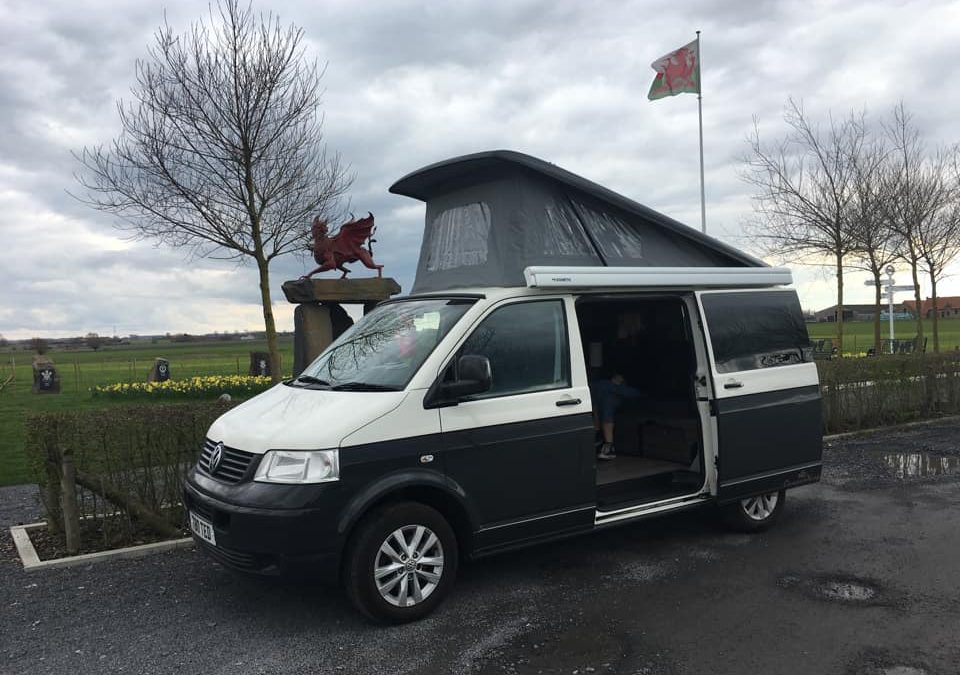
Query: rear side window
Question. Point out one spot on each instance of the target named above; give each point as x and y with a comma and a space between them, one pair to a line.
750, 331
527, 347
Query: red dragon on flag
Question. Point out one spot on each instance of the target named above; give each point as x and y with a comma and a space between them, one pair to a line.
677, 72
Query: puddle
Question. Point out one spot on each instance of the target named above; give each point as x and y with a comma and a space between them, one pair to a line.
835, 589
920, 464
845, 591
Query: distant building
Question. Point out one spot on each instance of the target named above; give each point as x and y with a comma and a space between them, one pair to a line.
947, 308
850, 313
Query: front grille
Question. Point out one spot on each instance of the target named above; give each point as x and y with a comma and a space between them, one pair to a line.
234, 464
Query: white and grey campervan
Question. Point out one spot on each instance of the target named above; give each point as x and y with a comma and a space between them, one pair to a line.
465, 418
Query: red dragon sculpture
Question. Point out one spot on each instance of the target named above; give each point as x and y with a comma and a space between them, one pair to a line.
346, 246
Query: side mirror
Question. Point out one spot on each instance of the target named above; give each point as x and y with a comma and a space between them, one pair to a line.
475, 377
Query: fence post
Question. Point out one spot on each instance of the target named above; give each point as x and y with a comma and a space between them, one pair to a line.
51, 491
68, 494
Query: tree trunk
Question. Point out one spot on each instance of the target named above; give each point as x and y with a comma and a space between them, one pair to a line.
877, 350
916, 297
263, 266
840, 304
936, 314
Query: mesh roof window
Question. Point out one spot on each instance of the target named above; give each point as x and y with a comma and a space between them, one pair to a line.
459, 237
616, 239
561, 233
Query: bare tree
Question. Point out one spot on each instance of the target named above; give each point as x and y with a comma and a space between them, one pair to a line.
939, 246
920, 209
93, 341
804, 184
221, 150
874, 242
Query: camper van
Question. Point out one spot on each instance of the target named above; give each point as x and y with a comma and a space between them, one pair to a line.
568, 360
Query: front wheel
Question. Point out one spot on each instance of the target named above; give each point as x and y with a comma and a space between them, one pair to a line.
402, 562
754, 514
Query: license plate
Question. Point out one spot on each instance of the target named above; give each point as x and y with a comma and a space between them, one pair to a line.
202, 528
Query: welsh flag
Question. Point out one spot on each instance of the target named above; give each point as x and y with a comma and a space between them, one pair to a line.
678, 72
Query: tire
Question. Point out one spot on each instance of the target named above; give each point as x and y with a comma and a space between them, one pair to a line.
754, 514
393, 542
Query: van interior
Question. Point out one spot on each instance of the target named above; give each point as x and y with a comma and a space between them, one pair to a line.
649, 343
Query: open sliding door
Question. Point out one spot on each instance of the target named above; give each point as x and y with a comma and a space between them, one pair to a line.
766, 394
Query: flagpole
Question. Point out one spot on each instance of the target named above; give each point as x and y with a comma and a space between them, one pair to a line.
703, 200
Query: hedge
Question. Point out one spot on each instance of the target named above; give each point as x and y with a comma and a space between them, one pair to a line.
878, 391
140, 452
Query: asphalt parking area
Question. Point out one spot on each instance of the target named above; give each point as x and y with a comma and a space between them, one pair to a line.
859, 576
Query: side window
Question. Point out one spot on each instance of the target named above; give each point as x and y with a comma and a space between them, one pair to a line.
749, 331
527, 346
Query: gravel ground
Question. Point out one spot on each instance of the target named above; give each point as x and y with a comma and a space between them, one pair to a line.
858, 577
19, 504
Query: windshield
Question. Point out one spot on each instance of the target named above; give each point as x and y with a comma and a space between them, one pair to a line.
384, 349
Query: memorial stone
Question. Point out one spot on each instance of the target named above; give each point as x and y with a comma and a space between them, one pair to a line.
46, 380
160, 372
260, 364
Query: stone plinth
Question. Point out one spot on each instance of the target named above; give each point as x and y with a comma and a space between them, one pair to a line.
319, 318
349, 291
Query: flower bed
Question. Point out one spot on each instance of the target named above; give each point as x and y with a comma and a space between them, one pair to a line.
194, 387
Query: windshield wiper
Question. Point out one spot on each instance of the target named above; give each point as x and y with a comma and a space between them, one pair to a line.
363, 386
310, 379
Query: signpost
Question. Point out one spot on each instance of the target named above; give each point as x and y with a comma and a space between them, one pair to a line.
889, 290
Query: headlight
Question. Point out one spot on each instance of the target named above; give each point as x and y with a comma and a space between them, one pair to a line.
299, 466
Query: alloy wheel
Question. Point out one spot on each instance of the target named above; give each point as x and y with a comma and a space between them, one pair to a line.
760, 507
408, 565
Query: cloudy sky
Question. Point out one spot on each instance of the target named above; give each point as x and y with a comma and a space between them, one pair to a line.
410, 83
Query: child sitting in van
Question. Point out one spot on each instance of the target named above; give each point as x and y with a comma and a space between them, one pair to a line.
609, 393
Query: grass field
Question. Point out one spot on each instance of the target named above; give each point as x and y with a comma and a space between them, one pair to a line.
81, 370
858, 335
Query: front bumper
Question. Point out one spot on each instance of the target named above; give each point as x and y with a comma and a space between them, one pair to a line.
268, 529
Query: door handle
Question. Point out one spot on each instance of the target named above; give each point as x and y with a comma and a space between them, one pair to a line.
733, 384
569, 401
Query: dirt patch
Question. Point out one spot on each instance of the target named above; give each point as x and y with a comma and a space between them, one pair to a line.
95, 536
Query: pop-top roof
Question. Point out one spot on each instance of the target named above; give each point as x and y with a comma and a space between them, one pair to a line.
492, 214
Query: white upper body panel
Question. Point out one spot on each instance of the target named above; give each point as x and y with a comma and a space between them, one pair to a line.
296, 418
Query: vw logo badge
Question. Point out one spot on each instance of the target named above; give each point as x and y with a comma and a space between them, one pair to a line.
215, 457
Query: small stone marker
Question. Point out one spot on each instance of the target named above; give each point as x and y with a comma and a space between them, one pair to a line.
260, 364
45, 377
160, 372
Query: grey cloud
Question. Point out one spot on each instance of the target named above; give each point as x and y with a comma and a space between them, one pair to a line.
411, 83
